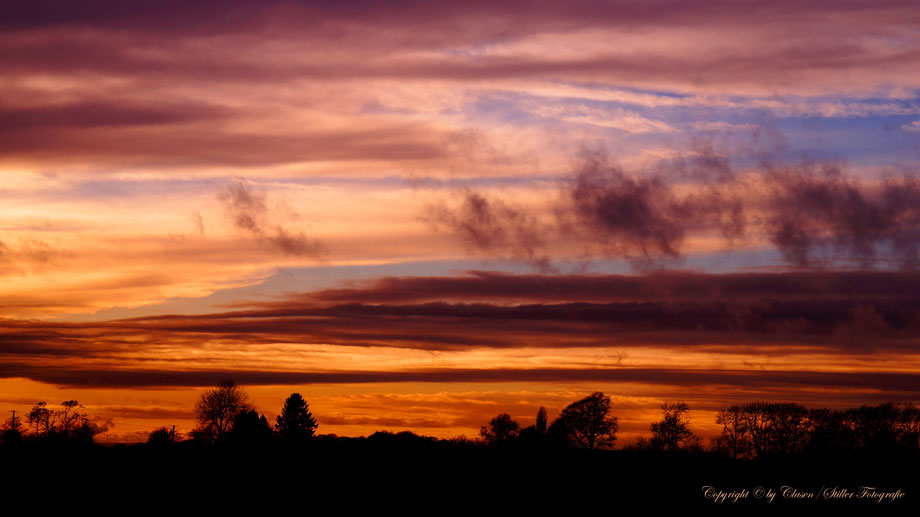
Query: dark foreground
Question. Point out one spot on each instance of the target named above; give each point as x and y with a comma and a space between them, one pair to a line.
442, 478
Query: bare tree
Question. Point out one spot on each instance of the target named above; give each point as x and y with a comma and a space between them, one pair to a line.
909, 424
673, 431
755, 418
41, 419
790, 427
588, 422
734, 433
217, 407
68, 422
71, 417
771, 428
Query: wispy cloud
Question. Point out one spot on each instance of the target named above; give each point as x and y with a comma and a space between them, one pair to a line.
813, 213
248, 211
912, 127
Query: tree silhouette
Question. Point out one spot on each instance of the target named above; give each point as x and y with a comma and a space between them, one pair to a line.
68, 422
874, 426
541, 421
501, 429
41, 419
249, 429
71, 419
774, 427
734, 434
790, 427
162, 437
587, 422
11, 436
672, 432
216, 408
295, 421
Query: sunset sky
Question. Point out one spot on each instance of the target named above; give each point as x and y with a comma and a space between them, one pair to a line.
420, 215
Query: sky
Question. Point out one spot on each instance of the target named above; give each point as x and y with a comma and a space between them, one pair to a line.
420, 215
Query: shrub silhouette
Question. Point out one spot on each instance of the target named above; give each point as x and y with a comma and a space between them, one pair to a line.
249, 428
162, 437
501, 429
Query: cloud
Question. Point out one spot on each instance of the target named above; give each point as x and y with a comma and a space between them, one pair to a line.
87, 114
488, 225
643, 219
850, 314
745, 46
248, 212
101, 426
147, 412
198, 145
659, 286
814, 214
820, 337
912, 127
307, 92
901, 383
27, 255
262, 84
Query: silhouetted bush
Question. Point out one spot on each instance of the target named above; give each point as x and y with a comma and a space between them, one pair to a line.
162, 437
502, 429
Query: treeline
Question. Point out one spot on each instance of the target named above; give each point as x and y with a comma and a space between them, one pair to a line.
226, 416
753, 430
762, 429
67, 424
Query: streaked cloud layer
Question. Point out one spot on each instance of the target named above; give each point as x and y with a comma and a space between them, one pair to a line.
743, 335
653, 196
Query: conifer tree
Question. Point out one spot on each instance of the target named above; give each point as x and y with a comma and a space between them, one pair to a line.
295, 420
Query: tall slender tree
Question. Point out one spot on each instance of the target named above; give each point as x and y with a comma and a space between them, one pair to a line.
541, 421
